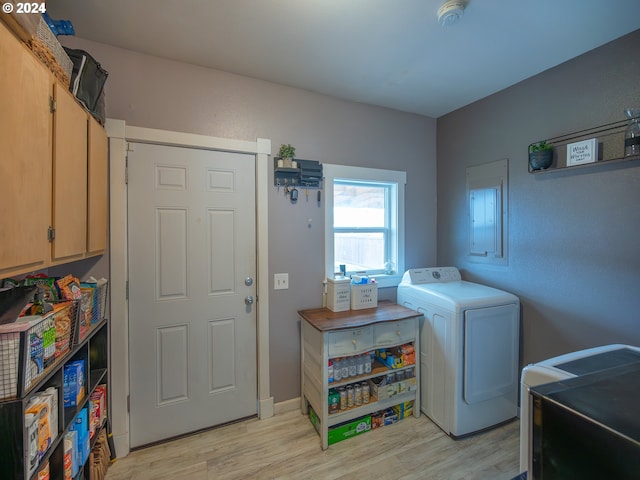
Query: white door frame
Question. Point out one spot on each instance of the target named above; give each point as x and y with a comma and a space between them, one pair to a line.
119, 135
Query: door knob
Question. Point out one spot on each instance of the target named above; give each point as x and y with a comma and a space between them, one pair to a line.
248, 300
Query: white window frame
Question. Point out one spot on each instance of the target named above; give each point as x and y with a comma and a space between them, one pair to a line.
350, 173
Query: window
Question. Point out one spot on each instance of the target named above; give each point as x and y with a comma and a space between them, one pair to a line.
365, 222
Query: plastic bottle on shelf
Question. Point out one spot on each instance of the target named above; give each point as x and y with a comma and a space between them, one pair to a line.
367, 363
345, 368
337, 369
330, 372
360, 365
352, 367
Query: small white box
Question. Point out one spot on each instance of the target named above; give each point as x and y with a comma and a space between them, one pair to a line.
338, 294
364, 296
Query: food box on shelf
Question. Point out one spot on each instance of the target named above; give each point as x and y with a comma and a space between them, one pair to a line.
397, 357
74, 389
382, 390
81, 425
344, 430
404, 410
349, 429
390, 416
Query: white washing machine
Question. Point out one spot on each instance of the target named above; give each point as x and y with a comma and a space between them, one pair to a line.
469, 345
574, 364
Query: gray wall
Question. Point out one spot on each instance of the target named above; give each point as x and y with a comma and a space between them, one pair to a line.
150, 92
574, 256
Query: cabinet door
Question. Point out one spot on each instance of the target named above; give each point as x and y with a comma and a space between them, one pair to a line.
69, 177
97, 182
25, 157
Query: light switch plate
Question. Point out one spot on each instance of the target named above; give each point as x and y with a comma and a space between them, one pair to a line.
281, 281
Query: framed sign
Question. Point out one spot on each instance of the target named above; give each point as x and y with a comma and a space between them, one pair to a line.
579, 153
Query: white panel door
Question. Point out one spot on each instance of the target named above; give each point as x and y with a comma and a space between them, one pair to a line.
192, 265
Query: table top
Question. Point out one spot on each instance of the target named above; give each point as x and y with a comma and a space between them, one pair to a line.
324, 320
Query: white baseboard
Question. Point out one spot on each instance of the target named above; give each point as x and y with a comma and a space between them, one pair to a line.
265, 408
121, 443
287, 406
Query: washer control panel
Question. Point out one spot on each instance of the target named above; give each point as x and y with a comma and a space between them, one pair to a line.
434, 275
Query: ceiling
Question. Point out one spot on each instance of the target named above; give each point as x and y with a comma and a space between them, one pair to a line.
391, 53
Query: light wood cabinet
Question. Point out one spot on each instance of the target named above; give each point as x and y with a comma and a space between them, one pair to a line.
25, 158
98, 186
69, 177
53, 168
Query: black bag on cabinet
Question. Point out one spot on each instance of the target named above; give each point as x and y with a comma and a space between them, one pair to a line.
87, 81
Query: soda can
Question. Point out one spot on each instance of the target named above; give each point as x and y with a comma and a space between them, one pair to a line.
334, 401
366, 392
350, 396
357, 395
343, 398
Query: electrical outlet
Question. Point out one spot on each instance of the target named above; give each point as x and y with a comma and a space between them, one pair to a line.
281, 281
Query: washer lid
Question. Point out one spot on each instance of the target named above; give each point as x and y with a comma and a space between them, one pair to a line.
460, 294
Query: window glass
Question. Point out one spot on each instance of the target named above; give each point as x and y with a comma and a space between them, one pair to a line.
364, 218
360, 222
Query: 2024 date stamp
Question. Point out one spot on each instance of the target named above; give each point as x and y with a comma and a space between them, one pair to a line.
24, 7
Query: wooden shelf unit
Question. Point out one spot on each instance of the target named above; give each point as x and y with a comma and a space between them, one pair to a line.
327, 335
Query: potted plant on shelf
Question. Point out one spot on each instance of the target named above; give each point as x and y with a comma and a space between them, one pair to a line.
286, 154
540, 155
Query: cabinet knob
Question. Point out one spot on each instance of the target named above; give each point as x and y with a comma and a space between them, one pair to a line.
398, 333
353, 341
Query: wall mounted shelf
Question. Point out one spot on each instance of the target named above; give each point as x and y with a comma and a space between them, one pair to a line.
610, 138
307, 174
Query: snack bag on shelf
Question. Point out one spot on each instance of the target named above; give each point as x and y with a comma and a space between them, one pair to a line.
69, 288
408, 354
40, 409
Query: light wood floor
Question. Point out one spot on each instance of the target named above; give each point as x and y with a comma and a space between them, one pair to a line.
287, 447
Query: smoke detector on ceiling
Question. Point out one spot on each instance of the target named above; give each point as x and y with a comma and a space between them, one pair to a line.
450, 12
